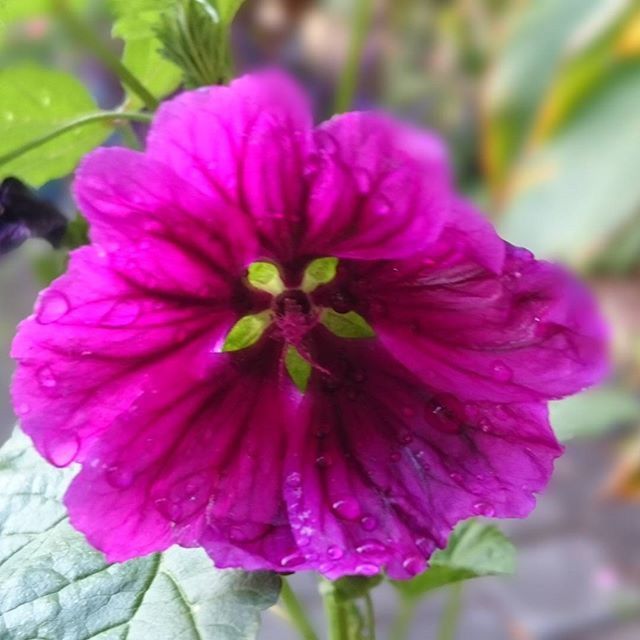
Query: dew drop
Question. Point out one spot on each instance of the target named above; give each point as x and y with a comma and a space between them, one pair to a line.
323, 462
62, 451
122, 313
369, 523
334, 552
292, 560
294, 480
347, 508
371, 548
413, 565
456, 477
406, 437
502, 372
46, 377
170, 510
395, 456
23, 409
484, 509
119, 478
52, 306
367, 569
485, 425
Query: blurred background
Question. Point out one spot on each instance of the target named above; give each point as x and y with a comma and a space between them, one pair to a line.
540, 103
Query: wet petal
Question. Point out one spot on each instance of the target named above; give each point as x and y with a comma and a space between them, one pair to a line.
378, 189
245, 144
381, 470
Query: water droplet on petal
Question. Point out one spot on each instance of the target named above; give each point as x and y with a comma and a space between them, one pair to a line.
414, 565
369, 523
170, 510
502, 372
456, 477
46, 377
371, 548
406, 437
51, 306
23, 409
323, 462
294, 480
484, 509
347, 508
395, 456
62, 451
367, 569
292, 560
119, 477
334, 552
485, 425
122, 313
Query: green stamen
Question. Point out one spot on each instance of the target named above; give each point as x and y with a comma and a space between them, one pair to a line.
318, 272
346, 325
298, 368
247, 331
266, 277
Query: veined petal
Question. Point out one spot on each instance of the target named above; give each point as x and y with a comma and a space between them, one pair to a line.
379, 190
380, 470
245, 144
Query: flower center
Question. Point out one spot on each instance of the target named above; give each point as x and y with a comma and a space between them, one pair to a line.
292, 315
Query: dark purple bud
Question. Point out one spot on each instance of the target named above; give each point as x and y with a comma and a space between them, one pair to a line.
24, 215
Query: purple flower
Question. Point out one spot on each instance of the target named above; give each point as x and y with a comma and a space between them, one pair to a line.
297, 348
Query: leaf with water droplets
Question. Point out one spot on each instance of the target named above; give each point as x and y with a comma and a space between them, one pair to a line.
346, 325
54, 585
247, 331
35, 102
475, 549
298, 368
318, 272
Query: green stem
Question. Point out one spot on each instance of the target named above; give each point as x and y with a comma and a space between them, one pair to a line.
402, 624
335, 612
101, 116
296, 612
451, 614
83, 34
371, 616
348, 82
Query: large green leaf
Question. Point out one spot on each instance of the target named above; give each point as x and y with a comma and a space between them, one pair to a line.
524, 71
137, 18
475, 549
54, 586
582, 186
594, 412
143, 58
36, 101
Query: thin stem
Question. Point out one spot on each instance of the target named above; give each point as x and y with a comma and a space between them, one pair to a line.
100, 116
371, 616
348, 82
451, 614
295, 612
335, 612
83, 34
402, 624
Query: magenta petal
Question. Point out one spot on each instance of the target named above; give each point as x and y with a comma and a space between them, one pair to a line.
245, 144
382, 470
97, 344
193, 465
378, 189
530, 332
156, 229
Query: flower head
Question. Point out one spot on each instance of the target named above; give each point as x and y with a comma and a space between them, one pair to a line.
295, 347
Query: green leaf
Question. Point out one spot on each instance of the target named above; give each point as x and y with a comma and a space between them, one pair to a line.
143, 58
266, 277
247, 331
572, 201
15, 10
593, 413
36, 101
319, 271
298, 368
475, 549
226, 9
346, 325
523, 73
53, 585
138, 18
